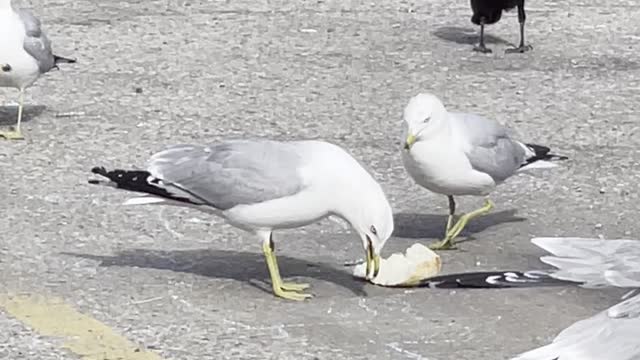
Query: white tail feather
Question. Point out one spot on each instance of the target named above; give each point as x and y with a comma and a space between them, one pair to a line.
144, 200
540, 164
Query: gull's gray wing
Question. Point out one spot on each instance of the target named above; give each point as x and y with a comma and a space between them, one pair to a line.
230, 173
36, 42
489, 148
611, 334
593, 262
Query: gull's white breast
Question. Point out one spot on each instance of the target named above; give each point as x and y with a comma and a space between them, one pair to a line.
444, 169
24, 68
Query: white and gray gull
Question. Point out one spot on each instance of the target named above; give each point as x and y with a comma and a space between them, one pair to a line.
611, 334
263, 185
462, 154
25, 54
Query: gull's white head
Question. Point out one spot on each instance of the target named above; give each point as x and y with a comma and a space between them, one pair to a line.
355, 196
423, 114
5, 4
373, 220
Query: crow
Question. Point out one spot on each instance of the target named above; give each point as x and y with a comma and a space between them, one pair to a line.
486, 12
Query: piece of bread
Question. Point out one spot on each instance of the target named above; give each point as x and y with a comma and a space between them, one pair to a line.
418, 263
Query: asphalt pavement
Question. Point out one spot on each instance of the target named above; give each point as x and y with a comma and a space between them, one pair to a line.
169, 283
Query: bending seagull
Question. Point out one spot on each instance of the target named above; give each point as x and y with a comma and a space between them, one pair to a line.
261, 186
25, 54
594, 263
486, 12
462, 154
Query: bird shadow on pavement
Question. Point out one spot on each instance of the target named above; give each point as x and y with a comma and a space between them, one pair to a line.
227, 264
466, 36
9, 114
420, 226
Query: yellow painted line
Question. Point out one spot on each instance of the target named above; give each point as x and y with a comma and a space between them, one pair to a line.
82, 335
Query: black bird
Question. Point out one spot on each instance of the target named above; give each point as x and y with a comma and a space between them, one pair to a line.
487, 12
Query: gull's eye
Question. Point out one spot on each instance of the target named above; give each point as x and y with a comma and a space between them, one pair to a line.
426, 120
373, 230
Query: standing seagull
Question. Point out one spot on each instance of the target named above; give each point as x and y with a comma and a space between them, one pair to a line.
486, 12
25, 54
462, 154
261, 186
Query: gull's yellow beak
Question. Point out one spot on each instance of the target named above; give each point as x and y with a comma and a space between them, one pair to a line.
373, 260
411, 139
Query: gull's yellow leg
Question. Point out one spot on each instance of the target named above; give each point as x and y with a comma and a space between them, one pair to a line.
452, 211
288, 291
287, 286
16, 134
459, 226
447, 243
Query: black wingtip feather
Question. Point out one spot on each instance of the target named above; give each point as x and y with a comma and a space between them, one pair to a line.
99, 170
63, 60
137, 181
493, 280
542, 153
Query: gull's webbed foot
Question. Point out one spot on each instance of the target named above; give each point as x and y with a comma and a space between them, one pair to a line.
446, 244
287, 286
290, 294
520, 49
12, 135
482, 49
289, 291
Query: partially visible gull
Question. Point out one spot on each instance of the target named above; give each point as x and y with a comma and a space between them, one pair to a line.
263, 185
462, 154
25, 54
593, 263
487, 12
613, 334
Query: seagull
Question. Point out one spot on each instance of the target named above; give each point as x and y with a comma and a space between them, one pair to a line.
486, 12
611, 334
264, 185
462, 154
25, 54
596, 263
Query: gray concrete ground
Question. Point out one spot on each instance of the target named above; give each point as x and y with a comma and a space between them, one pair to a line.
189, 287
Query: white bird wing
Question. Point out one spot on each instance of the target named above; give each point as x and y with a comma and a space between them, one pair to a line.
36, 42
488, 145
229, 173
613, 334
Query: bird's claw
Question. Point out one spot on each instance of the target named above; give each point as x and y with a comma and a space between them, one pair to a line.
519, 49
291, 294
294, 287
446, 244
12, 135
482, 49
